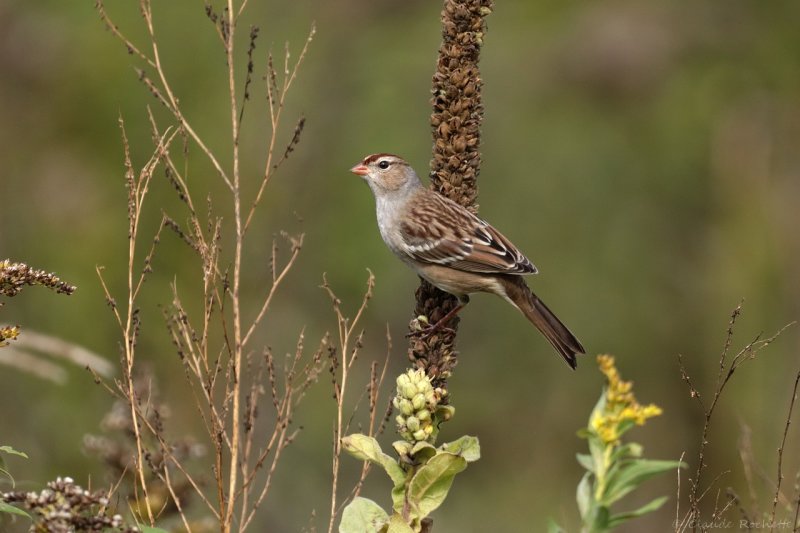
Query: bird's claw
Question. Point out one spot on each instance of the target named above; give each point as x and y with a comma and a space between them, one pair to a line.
425, 333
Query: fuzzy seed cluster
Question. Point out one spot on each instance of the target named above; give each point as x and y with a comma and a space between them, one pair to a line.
66, 507
14, 276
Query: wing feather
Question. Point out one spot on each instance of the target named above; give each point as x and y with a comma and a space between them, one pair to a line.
440, 231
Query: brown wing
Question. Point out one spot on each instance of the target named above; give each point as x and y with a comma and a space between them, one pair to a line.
442, 232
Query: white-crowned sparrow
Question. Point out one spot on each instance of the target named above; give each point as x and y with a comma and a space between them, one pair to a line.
453, 249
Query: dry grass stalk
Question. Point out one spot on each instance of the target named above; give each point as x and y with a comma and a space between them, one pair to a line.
779, 475
220, 364
342, 358
27, 355
726, 367
128, 322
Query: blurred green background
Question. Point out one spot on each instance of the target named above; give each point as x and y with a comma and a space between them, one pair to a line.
644, 155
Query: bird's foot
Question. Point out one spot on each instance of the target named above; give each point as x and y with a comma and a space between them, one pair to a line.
426, 332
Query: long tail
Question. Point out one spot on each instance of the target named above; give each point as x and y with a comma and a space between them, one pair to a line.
562, 339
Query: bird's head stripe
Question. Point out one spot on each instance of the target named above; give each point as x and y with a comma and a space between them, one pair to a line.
374, 157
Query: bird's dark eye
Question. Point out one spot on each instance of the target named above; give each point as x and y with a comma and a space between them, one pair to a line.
383, 164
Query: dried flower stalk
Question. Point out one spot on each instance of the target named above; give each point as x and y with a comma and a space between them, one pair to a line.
455, 123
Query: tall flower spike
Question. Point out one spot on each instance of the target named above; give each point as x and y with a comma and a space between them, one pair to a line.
455, 124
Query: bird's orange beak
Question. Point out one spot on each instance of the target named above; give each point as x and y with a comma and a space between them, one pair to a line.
360, 170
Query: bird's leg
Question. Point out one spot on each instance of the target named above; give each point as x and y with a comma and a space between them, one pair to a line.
440, 324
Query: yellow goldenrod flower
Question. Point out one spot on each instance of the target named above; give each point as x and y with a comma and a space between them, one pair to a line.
605, 427
8, 333
648, 411
613, 470
620, 405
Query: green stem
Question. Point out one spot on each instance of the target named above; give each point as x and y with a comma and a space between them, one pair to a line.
602, 470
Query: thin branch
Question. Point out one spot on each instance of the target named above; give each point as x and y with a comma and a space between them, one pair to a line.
297, 244
346, 327
173, 106
132, 49
724, 374
796, 523
779, 476
275, 110
233, 468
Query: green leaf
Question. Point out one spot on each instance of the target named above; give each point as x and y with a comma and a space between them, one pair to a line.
401, 447
8, 475
553, 527
12, 451
398, 525
367, 449
422, 451
445, 412
584, 495
624, 426
631, 449
601, 518
398, 498
467, 447
586, 461
599, 407
431, 483
10, 509
597, 449
618, 519
363, 515
596, 446
151, 529
632, 474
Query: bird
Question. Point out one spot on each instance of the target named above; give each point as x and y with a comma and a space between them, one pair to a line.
455, 250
